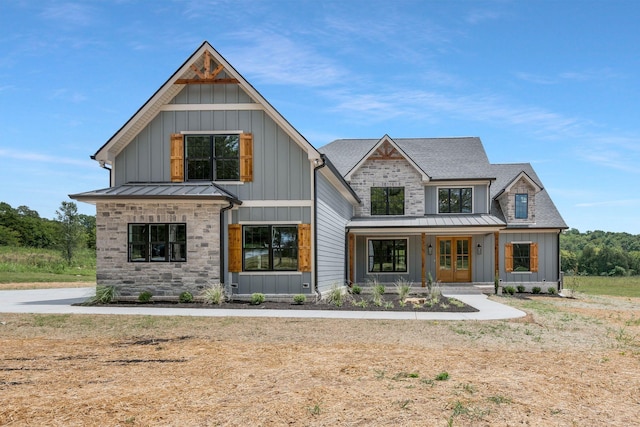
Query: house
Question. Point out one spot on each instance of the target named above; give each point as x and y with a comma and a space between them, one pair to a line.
208, 183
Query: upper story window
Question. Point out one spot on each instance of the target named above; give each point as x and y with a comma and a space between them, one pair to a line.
212, 157
455, 200
522, 206
157, 242
387, 200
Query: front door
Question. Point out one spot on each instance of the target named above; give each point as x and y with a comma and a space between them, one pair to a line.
454, 259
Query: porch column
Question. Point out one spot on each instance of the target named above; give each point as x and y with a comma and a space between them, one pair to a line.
496, 255
424, 260
352, 251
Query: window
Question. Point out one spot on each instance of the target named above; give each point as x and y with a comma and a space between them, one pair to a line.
522, 206
157, 242
212, 157
387, 256
455, 200
521, 257
387, 200
270, 248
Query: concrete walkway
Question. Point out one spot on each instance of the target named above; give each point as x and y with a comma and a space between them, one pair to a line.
59, 301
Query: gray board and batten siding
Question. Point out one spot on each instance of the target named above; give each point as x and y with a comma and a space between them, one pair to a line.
333, 213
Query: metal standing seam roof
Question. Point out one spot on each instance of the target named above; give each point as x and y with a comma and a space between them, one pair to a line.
205, 190
428, 221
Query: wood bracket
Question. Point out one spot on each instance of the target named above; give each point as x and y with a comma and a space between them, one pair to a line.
206, 75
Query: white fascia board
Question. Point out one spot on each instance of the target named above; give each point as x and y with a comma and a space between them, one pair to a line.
429, 231
247, 106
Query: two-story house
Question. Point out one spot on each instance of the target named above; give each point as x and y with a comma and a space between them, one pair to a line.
209, 183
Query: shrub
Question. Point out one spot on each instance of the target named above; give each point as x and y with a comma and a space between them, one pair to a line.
362, 303
299, 299
551, 290
257, 298
536, 289
403, 287
510, 290
104, 295
356, 290
145, 296
185, 297
435, 293
336, 295
214, 294
520, 289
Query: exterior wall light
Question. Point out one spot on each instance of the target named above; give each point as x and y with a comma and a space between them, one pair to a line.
479, 249
430, 249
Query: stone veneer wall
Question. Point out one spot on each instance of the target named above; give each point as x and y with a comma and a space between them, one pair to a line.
508, 203
201, 269
389, 173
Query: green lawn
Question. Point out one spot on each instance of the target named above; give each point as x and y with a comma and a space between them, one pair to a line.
599, 285
22, 265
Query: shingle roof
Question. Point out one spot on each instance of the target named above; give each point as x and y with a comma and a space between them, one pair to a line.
439, 158
182, 190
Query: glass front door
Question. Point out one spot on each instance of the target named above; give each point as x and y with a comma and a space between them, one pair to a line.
454, 259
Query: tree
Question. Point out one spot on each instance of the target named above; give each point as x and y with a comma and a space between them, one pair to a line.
71, 231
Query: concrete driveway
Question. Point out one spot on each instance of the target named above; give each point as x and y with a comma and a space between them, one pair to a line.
60, 301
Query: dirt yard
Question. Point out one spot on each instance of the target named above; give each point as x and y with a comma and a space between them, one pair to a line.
567, 363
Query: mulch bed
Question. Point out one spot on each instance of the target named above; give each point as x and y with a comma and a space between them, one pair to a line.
444, 305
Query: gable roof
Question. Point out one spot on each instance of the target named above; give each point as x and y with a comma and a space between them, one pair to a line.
387, 148
547, 215
171, 88
437, 158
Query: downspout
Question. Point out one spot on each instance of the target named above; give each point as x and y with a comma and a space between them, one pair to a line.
104, 166
560, 276
222, 258
315, 223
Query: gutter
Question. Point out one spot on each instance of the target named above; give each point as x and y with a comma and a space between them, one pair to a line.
315, 223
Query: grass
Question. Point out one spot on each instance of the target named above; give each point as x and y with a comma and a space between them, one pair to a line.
24, 265
612, 286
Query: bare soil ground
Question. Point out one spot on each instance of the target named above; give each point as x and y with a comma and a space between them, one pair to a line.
568, 362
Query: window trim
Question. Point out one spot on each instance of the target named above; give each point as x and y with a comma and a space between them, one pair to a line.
388, 238
148, 258
452, 187
271, 270
534, 257
387, 204
212, 158
526, 206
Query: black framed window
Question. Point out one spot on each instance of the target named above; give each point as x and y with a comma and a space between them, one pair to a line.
455, 200
387, 256
270, 247
522, 206
387, 200
521, 257
212, 157
157, 242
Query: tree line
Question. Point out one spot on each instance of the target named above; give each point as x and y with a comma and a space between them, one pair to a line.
600, 253
70, 230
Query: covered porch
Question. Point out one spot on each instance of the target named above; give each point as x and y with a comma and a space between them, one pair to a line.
457, 250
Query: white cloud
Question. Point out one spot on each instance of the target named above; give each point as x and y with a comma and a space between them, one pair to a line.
44, 158
75, 14
610, 203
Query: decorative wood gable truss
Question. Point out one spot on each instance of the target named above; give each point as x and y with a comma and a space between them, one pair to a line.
387, 149
206, 75
177, 157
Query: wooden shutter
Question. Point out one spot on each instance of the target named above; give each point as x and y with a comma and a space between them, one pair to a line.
235, 248
177, 157
304, 247
246, 157
508, 257
533, 258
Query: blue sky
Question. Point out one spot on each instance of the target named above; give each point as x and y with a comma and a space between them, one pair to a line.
554, 83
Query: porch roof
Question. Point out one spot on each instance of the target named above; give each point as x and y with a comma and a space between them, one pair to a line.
430, 221
198, 191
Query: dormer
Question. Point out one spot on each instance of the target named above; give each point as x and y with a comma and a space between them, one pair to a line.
518, 200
